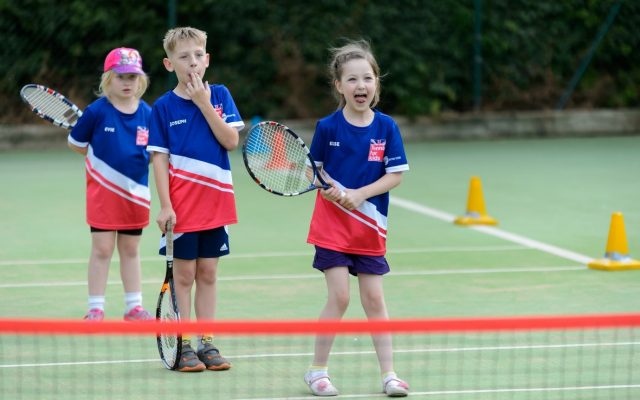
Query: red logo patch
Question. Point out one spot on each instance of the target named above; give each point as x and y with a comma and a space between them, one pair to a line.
376, 150
218, 109
142, 136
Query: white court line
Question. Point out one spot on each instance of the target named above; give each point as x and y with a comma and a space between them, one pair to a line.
483, 271
445, 249
525, 243
346, 353
490, 230
370, 395
469, 391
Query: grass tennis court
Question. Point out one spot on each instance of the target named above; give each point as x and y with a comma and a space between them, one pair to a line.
559, 192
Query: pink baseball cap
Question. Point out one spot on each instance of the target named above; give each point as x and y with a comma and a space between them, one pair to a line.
124, 60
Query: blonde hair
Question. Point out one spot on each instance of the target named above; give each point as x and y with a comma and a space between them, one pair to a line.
353, 50
107, 77
173, 36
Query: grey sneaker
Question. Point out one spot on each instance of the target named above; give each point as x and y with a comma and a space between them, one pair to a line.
212, 359
189, 361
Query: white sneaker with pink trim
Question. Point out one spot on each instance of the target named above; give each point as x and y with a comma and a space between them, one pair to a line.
395, 387
320, 384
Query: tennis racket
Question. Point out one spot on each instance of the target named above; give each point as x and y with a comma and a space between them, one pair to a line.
279, 162
51, 105
169, 344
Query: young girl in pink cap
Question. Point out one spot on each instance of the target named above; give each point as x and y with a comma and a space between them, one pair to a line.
112, 134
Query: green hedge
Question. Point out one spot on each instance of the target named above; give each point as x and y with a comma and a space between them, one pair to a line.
272, 54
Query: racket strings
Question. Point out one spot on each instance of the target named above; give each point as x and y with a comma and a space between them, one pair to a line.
168, 341
277, 159
51, 105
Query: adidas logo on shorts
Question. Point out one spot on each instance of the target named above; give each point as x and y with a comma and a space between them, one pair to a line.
224, 247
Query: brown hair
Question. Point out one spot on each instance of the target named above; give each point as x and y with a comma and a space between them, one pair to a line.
353, 50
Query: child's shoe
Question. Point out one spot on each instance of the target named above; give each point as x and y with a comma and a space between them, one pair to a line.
138, 314
320, 384
392, 386
94, 315
212, 359
189, 361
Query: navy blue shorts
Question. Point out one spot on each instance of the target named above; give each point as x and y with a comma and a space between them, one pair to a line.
212, 243
357, 264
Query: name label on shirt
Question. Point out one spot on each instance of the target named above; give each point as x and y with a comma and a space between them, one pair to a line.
177, 122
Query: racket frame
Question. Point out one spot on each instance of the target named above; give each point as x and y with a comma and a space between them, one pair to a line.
317, 176
169, 286
73, 110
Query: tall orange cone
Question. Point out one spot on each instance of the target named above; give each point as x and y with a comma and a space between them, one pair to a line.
616, 257
476, 212
278, 158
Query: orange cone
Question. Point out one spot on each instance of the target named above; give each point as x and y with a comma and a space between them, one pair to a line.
278, 154
616, 257
476, 212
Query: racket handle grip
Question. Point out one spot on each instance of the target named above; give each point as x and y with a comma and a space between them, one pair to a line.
169, 240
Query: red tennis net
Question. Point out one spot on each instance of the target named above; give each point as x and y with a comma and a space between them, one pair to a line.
550, 357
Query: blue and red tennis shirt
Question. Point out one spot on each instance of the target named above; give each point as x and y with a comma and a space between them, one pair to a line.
354, 157
200, 184
117, 165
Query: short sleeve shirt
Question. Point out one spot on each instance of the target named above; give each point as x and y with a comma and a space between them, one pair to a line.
355, 157
117, 165
200, 182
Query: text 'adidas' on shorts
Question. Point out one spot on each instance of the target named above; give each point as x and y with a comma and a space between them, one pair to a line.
212, 243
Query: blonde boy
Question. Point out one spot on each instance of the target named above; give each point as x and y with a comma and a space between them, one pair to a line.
193, 127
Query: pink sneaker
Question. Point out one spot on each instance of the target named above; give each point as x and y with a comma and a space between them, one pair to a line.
138, 314
95, 314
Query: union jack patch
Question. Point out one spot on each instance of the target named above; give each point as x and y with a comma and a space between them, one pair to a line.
142, 136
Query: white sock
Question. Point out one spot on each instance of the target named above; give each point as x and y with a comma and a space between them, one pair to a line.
315, 370
389, 375
132, 300
96, 302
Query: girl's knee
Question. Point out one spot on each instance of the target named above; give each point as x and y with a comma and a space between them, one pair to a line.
102, 252
128, 248
128, 253
341, 301
373, 302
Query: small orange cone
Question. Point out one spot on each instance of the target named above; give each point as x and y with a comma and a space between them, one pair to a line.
616, 257
278, 154
476, 212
